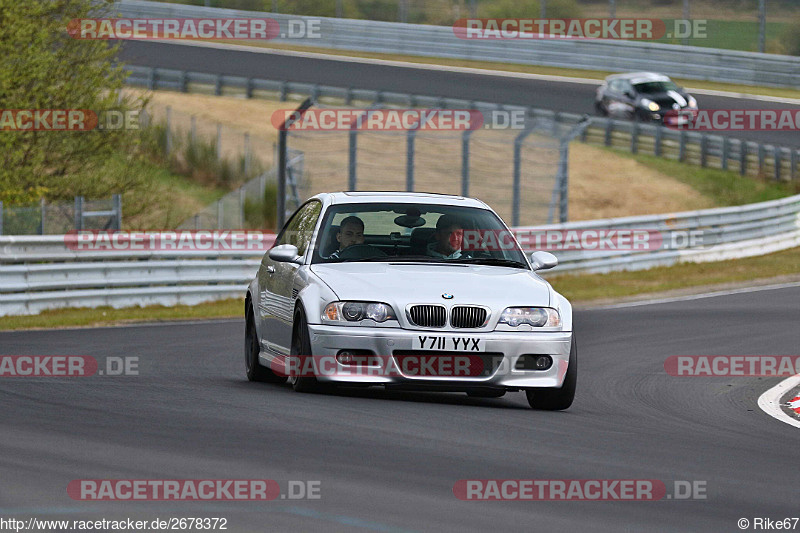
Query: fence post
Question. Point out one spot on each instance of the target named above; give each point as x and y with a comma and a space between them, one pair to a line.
465, 162
218, 85
117, 200
410, 160
1, 218
220, 213
283, 133
634, 137
703, 149
193, 132
151, 80
657, 141
219, 142
184, 81
42, 208
777, 161
563, 181
682, 146
517, 178
351, 159
169, 130
79, 213
725, 151
249, 88
742, 157
197, 222
241, 207
246, 154
609, 126
793, 164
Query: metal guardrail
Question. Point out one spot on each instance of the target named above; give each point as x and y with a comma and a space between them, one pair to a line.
703, 149
43, 272
690, 62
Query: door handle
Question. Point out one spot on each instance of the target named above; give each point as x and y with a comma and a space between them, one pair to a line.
270, 270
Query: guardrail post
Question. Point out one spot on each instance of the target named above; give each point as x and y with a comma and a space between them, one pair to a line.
634, 137
79, 213
410, 160
315, 92
282, 97
116, 199
465, 162
777, 161
703, 149
197, 222
348, 96
184, 81
352, 162
248, 90
742, 157
682, 146
218, 85
761, 156
657, 140
609, 126
793, 164
725, 152
151, 80
515, 199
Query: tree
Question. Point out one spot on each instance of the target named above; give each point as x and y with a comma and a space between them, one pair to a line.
43, 67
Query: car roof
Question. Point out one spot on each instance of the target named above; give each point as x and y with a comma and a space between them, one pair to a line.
638, 77
362, 197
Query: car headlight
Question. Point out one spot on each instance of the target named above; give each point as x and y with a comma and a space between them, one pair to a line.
692, 102
358, 311
538, 317
651, 105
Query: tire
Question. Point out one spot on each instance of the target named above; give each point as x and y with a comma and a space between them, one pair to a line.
486, 393
301, 346
255, 371
551, 399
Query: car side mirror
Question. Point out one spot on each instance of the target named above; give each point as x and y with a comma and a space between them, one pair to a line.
285, 253
630, 94
543, 260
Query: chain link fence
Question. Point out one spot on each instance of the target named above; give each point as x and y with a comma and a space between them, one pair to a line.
56, 218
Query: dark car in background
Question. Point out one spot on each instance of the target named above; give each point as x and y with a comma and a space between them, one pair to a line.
646, 97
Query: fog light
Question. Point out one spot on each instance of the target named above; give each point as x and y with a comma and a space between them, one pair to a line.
344, 357
543, 362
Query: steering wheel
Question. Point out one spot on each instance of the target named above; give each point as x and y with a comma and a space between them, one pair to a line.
361, 251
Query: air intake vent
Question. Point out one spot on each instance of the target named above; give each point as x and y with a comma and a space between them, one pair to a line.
467, 317
428, 316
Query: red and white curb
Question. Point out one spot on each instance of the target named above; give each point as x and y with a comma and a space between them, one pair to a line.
770, 401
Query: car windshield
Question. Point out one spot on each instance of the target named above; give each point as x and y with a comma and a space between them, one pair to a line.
406, 232
651, 87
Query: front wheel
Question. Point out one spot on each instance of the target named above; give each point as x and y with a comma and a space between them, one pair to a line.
301, 355
551, 399
255, 371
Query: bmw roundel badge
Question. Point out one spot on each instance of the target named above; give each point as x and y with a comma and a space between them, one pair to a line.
447, 296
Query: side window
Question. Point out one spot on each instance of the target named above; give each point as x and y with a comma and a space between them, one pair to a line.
616, 86
300, 228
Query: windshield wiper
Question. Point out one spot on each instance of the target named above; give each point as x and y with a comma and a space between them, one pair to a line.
494, 261
395, 259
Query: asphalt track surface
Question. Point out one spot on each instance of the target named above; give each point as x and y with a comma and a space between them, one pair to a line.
387, 461
555, 95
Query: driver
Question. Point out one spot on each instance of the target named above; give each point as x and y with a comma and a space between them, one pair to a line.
448, 238
351, 231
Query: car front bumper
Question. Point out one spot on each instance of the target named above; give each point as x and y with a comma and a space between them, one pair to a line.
327, 341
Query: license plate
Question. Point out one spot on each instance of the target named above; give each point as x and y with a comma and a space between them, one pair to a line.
447, 343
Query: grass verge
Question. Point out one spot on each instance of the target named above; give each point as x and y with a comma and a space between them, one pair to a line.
579, 288
615, 285
722, 187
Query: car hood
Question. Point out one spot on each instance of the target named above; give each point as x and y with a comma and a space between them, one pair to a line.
400, 284
666, 99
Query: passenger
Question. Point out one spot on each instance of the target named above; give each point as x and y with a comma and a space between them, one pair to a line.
351, 231
448, 237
